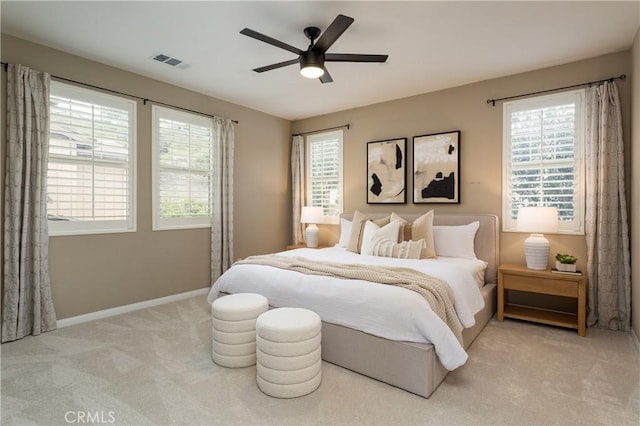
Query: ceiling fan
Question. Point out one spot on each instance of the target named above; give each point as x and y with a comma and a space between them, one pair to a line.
312, 60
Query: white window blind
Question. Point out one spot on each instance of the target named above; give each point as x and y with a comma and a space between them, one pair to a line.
543, 158
183, 174
91, 171
324, 173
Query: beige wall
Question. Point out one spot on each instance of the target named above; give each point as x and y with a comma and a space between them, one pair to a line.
635, 186
94, 272
462, 108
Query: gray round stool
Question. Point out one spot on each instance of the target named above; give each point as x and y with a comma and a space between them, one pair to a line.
289, 362
233, 319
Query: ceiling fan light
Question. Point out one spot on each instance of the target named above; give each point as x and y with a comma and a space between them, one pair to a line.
311, 71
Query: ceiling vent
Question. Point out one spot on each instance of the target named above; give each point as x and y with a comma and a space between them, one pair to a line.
174, 62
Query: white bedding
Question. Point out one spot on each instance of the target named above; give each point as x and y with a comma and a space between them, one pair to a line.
386, 311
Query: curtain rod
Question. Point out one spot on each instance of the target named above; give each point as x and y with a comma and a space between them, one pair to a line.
144, 100
323, 130
610, 80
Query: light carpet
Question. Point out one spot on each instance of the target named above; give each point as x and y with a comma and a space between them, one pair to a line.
154, 367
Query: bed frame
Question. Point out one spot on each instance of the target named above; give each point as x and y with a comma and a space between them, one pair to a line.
414, 367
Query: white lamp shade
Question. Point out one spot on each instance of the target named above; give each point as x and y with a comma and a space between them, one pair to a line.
311, 215
538, 220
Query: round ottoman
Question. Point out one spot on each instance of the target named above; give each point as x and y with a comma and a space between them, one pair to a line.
288, 352
233, 318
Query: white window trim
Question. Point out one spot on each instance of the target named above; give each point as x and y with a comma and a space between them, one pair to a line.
326, 220
575, 227
89, 227
159, 224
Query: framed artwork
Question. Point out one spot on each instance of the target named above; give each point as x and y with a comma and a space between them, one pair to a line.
387, 172
436, 168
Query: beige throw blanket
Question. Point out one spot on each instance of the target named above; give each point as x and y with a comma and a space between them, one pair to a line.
434, 290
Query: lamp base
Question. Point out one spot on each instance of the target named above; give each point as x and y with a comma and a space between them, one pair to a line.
536, 250
311, 235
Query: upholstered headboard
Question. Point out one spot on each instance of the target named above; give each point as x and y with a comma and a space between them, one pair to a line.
487, 237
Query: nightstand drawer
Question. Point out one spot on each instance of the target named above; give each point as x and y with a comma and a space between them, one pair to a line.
540, 285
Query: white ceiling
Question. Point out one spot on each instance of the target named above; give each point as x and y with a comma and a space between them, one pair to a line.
431, 45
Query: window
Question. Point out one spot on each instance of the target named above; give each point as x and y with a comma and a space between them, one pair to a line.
91, 172
543, 158
324, 173
183, 169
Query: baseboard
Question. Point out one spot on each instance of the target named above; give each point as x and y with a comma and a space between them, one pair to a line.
636, 342
92, 316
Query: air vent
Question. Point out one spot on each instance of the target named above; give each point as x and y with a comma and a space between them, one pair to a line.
174, 62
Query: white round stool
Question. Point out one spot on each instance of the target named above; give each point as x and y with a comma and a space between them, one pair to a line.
289, 362
233, 319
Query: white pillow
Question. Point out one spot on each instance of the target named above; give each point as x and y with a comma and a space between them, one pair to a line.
371, 230
456, 241
345, 232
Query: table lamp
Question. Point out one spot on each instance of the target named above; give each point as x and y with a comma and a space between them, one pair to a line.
537, 221
311, 216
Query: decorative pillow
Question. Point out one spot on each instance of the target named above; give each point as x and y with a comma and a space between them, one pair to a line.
356, 230
405, 250
372, 231
420, 229
345, 232
456, 241
357, 226
405, 227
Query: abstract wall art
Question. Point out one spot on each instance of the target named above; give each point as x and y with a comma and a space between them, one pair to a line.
436, 168
386, 172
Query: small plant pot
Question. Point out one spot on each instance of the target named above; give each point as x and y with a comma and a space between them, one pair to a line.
565, 267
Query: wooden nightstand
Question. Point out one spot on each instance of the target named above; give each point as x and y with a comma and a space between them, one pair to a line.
297, 246
518, 277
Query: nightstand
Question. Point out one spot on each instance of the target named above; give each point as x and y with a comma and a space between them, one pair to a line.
297, 246
518, 277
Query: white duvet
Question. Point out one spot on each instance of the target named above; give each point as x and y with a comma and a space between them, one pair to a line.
386, 311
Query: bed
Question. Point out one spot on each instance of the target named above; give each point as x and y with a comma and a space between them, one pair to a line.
357, 335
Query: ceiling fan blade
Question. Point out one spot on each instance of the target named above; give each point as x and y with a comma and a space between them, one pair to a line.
326, 77
270, 40
331, 34
352, 57
278, 65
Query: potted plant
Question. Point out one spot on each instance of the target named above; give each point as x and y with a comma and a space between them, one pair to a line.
566, 262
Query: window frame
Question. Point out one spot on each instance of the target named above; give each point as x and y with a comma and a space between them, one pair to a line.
163, 224
576, 226
309, 139
88, 227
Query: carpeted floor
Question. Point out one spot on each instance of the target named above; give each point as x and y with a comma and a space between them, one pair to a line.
154, 367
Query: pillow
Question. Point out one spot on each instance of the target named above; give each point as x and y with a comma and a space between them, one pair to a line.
345, 232
405, 227
372, 231
456, 241
420, 229
405, 250
357, 226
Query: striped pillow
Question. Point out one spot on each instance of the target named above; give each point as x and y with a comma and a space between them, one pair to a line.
384, 247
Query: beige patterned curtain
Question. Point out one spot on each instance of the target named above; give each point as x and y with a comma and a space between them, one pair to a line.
222, 196
27, 304
607, 229
297, 184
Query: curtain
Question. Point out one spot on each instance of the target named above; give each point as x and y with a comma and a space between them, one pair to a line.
297, 183
27, 304
222, 196
607, 231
